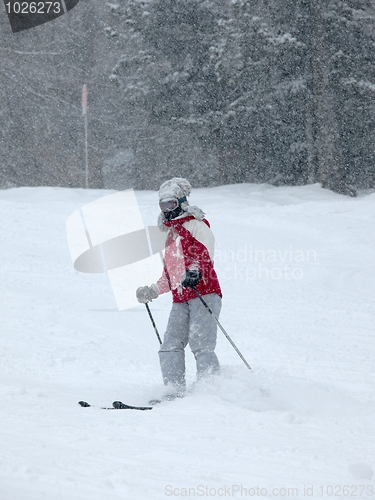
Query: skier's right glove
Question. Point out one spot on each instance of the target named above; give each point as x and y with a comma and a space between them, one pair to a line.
147, 293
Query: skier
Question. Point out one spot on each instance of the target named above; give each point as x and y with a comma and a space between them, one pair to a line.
188, 263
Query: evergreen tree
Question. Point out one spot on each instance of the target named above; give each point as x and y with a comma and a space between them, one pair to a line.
339, 71
280, 92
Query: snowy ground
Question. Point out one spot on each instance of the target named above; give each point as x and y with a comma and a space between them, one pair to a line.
298, 277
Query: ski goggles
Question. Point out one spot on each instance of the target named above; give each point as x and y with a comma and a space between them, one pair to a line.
170, 204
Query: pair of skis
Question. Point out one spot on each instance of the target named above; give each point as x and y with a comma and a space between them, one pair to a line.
119, 405
116, 405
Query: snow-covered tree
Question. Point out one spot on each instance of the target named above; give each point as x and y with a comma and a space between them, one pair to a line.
279, 92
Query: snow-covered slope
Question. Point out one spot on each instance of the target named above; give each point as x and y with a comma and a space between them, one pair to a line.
298, 276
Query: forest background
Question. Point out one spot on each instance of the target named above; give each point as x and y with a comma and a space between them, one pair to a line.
220, 92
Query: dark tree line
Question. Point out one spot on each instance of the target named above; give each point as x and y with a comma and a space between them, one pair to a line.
220, 91
278, 92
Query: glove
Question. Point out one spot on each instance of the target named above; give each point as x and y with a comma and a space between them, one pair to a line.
191, 278
147, 293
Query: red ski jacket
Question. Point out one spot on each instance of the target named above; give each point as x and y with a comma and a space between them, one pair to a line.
183, 251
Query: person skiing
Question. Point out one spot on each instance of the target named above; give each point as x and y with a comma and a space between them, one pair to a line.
188, 265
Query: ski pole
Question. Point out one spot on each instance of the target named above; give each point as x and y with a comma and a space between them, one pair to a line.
153, 323
221, 328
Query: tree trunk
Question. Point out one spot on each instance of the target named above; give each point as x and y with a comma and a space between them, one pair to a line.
331, 172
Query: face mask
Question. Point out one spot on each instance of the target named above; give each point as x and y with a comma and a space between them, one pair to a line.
172, 214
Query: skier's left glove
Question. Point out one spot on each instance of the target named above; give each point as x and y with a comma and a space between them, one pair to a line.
191, 278
147, 293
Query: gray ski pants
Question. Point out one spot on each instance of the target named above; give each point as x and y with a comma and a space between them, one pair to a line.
190, 323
